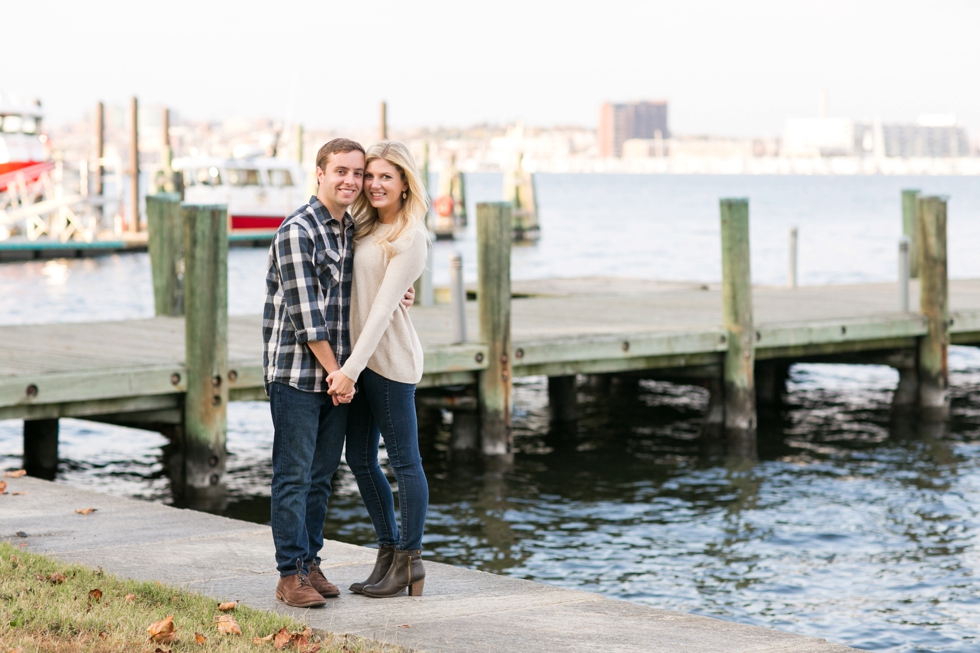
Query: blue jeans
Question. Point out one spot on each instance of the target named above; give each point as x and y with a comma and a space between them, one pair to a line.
306, 450
387, 408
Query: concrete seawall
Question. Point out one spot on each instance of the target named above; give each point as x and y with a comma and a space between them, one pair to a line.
462, 610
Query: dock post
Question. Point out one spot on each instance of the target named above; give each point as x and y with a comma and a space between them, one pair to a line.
41, 447
383, 127
205, 235
739, 377
99, 149
493, 228
910, 228
562, 399
164, 226
903, 274
457, 294
298, 143
134, 166
934, 305
793, 243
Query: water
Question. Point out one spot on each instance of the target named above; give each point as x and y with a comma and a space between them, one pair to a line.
852, 526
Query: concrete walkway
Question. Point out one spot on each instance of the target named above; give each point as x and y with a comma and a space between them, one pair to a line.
462, 610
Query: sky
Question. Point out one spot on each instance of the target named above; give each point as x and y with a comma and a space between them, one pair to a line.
726, 68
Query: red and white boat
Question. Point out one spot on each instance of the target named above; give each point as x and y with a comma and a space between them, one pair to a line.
259, 191
23, 154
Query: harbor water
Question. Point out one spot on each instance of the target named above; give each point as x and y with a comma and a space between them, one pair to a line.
854, 525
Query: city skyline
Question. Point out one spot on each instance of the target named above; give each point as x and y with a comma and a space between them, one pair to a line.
728, 70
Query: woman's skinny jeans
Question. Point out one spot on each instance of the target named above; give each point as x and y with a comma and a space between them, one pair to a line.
384, 408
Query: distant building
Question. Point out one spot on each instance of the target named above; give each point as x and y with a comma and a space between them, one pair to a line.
928, 137
619, 123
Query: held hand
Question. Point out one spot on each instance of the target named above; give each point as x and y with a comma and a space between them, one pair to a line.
409, 299
340, 385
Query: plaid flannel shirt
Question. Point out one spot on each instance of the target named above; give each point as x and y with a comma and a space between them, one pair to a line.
308, 289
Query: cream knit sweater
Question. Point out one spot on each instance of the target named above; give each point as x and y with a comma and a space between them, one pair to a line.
380, 328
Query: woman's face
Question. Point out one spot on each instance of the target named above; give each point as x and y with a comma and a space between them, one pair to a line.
383, 185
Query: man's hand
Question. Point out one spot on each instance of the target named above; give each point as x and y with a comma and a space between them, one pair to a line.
409, 297
340, 387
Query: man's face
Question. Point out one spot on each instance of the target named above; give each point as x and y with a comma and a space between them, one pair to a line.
340, 183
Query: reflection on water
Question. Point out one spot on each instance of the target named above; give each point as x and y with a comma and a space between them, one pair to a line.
852, 526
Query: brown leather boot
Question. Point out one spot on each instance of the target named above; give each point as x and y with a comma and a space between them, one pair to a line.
381, 565
406, 571
296, 591
320, 583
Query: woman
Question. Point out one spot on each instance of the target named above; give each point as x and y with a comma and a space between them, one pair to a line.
391, 246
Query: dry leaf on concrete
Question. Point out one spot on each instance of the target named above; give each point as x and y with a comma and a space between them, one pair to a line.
16, 474
227, 606
227, 625
17, 494
130, 598
200, 639
164, 631
404, 626
3, 487
84, 511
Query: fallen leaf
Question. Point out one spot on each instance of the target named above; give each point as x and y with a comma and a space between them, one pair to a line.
84, 511
57, 578
95, 595
308, 632
261, 640
282, 639
130, 598
404, 626
163, 631
227, 606
21, 534
23, 544
15, 650
313, 649
3, 486
14, 559
103, 634
227, 625
16, 474
200, 639
160, 650
17, 494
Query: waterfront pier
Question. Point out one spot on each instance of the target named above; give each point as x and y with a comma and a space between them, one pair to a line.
734, 339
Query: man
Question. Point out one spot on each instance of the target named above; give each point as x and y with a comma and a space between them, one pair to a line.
305, 330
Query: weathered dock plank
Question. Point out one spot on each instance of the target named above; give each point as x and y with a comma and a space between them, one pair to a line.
560, 327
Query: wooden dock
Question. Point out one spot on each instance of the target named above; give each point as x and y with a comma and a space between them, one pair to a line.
736, 340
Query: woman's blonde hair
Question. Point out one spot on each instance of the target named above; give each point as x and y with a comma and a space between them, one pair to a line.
414, 207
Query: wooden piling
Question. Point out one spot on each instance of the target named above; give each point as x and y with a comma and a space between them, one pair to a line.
910, 228
164, 224
99, 147
166, 158
493, 228
383, 126
739, 378
134, 167
41, 447
298, 144
205, 236
934, 305
562, 398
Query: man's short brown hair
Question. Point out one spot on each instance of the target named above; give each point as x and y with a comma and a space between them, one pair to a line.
336, 145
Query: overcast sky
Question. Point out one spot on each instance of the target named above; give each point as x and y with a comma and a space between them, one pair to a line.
726, 67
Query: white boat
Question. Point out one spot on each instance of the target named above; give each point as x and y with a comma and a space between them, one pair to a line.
23, 155
259, 191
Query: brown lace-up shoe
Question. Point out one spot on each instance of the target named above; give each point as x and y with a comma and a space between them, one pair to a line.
320, 583
297, 591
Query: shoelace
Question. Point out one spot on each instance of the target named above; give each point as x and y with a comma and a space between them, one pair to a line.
303, 578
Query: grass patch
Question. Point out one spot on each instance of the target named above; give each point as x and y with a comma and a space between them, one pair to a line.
50, 606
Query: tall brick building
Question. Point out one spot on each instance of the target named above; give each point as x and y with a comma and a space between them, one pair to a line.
621, 122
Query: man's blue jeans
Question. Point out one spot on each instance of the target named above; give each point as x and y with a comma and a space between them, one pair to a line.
306, 450
384, 407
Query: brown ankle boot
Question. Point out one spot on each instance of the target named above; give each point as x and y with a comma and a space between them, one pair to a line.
406, 571
320, 583
296, 590
381, 565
